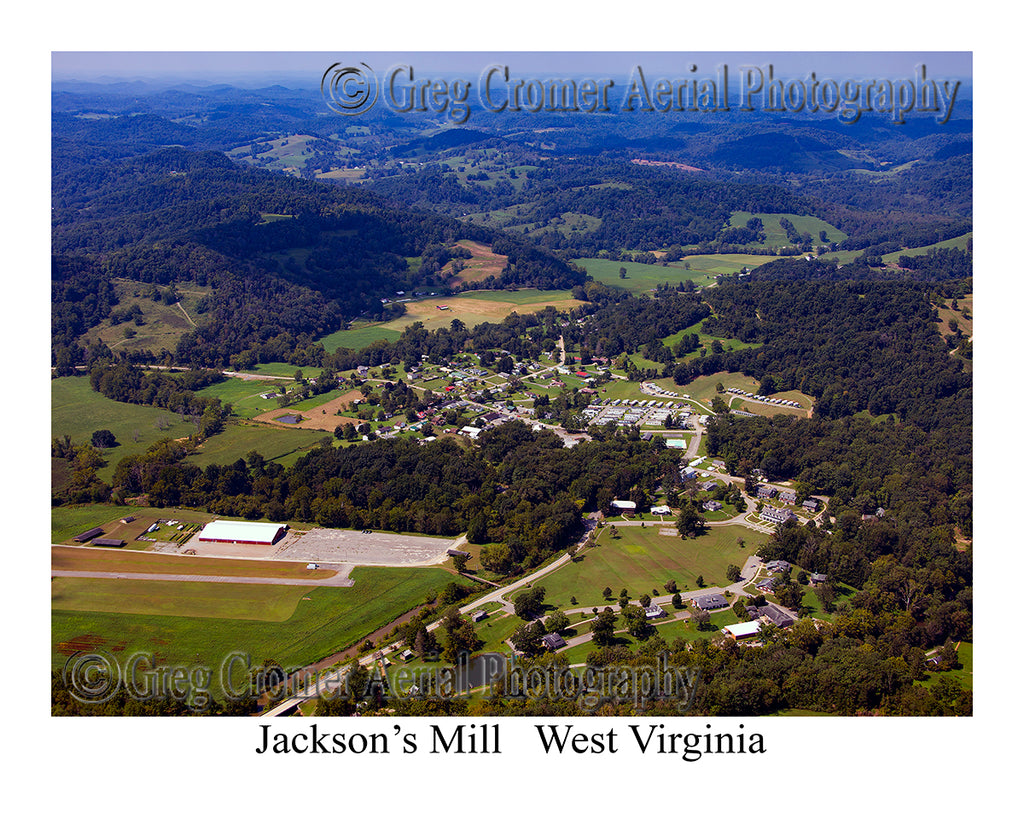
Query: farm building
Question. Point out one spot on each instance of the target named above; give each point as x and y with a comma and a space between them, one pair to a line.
108, 541
772, 613
740, 631
88, 535
237, 531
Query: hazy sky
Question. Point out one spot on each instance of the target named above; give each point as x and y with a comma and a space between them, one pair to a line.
293, 68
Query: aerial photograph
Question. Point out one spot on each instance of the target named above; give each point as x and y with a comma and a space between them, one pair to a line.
512, 384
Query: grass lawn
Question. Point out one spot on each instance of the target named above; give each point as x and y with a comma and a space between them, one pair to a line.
322, 620
641, 560
964, 676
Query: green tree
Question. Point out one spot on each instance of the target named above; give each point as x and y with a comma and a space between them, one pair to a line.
603, 630
460, 638
528, 604
104, 439
558, 621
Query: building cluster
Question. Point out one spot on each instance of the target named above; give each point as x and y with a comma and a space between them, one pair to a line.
635, 412
764, 399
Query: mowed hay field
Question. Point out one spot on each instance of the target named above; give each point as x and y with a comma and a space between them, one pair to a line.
641, 560
201, 623
481, 306
471, 308
484, 263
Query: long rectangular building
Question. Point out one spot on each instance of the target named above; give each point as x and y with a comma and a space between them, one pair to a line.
242, 531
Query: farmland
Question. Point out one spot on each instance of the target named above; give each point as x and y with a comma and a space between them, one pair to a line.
471, 308
701, 270
775, 234
320, 620
78, 411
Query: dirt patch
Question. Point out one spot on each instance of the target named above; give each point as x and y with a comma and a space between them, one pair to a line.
322, 417
83, 642
484, 263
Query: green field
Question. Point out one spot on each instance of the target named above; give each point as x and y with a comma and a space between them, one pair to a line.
959, 242
643, 277
160, 326
775, 236
231, 601
244, 395
728, 344
641, 560
359, 337
237, 440
76, 410
324, 620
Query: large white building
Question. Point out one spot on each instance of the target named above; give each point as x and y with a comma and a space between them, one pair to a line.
242, 531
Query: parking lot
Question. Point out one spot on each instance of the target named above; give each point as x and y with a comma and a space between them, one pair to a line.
362, 548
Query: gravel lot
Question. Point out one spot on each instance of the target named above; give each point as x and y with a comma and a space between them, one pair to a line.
361, 549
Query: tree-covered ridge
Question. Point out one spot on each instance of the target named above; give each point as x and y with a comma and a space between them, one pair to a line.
852, 345
646, 208
331, 253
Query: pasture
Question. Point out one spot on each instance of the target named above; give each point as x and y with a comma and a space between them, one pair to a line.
775, 235
483, 263
160, 326
78, 411
641, 560
960, 242
238, 439
244, 395
701, 270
